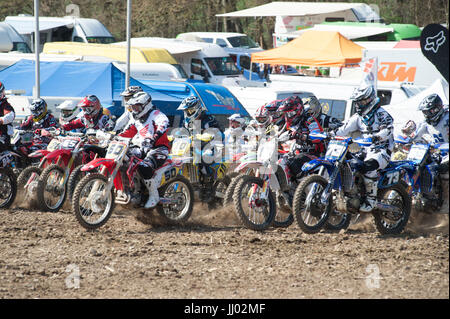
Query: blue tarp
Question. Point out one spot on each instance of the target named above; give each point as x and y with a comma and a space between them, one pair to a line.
72, 79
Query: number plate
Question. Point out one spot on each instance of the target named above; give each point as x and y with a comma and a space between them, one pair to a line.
70, 142
335, 150
115, 150
181, 146
417, 153
53, 145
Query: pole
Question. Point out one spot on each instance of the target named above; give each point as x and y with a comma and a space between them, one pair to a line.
37, 92
127, 74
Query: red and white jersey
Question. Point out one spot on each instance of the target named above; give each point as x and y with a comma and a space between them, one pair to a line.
154, 127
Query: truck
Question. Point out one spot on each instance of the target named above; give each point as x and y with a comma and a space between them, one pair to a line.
68, 28
202, 61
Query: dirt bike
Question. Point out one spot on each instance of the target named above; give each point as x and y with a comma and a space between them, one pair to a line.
256, 196
119, 182
29, 176
344, 190
209, 187
422, 173
59, 179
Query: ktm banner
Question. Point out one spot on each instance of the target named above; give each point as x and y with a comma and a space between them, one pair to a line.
434, 46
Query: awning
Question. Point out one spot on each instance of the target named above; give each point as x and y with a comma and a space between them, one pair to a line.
291, 9
27, 26
173, 46
313, 48
350, 32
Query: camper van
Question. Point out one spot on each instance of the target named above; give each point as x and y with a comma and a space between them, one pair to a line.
202, 61
223, 39
115, 53
11, 40
67, 28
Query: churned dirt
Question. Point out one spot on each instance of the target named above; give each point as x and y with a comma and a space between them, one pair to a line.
49, 255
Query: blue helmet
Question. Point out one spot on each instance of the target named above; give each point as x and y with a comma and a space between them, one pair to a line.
192, 108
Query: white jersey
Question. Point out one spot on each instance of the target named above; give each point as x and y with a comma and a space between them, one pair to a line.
382, 127
439, 132
234, 139
154, 127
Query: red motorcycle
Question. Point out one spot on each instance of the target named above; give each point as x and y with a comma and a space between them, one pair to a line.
63, 170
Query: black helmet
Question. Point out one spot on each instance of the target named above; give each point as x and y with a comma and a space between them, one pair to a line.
38, 109
432, 109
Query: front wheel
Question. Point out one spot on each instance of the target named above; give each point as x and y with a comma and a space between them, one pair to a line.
309, 213
8, 187
51, 188
177, 200
252, 209
28, 180
90, 202
393, 222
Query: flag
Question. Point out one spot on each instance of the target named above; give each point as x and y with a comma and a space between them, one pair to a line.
370, 72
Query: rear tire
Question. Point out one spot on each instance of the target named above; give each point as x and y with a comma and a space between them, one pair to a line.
186, 211
8, 187
404, 201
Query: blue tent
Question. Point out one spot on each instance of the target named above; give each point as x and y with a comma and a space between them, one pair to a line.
73, 78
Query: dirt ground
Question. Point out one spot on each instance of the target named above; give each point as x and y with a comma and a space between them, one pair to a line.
49, 255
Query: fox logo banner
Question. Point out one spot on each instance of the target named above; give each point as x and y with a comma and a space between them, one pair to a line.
434, 46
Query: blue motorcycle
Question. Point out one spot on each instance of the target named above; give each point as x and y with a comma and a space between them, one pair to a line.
422, 173
339, 186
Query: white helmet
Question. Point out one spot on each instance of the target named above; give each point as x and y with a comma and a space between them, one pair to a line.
140, 104
237, 118
68, 110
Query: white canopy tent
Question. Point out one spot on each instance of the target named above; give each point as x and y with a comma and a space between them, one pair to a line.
288, 8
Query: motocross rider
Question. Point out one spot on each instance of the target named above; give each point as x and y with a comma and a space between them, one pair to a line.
300, 125
436, 124
196, 120
93, 116
125, 117
277, 116
68, 111
408, 132
313, 109
436, 119
39, 119
374, 122
150, 125
234, 134
7, 116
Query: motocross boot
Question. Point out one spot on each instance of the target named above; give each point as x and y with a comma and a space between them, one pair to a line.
371, 195
153, 195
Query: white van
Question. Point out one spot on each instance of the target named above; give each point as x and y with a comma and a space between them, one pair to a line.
11, 40
201, 61
153, 71
54, 29
223, 39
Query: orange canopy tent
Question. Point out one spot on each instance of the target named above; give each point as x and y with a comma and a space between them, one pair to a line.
313, 48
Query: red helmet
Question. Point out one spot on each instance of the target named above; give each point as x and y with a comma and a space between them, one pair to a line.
292, 107
262, 116
90, 106
273, 108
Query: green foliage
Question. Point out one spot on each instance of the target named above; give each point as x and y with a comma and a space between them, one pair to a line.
169, 18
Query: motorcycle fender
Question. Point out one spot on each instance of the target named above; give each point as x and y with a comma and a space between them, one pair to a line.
315, 163
167, 174
254, 165
64, 154
107, 162
39, 153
